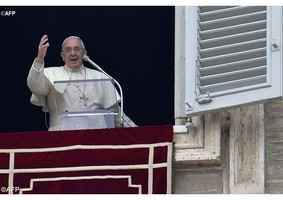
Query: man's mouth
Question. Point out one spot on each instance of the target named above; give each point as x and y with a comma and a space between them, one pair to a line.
73, 59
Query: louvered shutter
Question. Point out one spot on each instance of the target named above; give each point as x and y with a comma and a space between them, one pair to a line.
233, 56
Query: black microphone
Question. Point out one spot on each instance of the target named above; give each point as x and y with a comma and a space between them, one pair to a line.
86, 58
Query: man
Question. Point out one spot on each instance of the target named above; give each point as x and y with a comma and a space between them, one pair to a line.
53, 98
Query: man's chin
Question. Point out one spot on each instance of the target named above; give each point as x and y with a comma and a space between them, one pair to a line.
74, 66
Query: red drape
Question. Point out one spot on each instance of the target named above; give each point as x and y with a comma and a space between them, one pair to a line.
104, 161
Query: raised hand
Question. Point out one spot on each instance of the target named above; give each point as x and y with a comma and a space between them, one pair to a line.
42, 49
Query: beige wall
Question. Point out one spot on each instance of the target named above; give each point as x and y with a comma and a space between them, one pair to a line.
240, 166
274, 147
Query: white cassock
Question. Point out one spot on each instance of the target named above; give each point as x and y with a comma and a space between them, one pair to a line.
55, 89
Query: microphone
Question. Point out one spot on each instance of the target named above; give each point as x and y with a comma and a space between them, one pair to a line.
86, 58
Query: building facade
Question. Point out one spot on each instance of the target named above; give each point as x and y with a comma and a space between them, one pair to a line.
234, 148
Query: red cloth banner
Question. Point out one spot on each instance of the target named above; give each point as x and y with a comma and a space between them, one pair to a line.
133, 160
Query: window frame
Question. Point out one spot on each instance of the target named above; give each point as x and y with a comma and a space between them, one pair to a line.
212, 102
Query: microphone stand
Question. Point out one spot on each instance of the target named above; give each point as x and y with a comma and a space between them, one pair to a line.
86, 58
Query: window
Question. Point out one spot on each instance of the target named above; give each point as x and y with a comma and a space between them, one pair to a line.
233, 56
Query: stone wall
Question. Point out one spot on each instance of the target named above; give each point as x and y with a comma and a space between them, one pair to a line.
240, 168
274, 147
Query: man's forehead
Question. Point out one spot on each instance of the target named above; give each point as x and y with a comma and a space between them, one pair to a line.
73, 41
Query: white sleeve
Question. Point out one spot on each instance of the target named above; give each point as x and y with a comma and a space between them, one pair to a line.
36, 80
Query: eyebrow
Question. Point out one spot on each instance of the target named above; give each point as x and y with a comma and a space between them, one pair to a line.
68, 47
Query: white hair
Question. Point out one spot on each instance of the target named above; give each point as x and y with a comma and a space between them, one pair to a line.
73, 37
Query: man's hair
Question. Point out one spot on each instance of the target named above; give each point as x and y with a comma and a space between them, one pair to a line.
73, 37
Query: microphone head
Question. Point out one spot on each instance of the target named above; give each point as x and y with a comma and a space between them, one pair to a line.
85, 57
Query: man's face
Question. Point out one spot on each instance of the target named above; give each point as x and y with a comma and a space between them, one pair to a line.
73, 53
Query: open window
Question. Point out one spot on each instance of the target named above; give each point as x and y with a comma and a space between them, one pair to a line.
232, 56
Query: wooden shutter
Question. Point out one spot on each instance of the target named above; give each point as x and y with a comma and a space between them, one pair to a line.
233, 56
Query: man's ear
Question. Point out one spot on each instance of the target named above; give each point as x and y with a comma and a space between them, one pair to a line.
62, 56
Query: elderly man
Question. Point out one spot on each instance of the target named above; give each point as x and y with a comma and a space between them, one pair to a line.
54, 98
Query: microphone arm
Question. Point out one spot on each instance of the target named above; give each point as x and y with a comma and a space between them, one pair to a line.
86, 58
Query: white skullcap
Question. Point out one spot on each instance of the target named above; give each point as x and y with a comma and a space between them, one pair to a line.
73, 37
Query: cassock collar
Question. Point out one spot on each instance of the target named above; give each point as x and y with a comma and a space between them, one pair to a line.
82, 67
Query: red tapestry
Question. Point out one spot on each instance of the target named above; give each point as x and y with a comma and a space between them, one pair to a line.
104, 161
